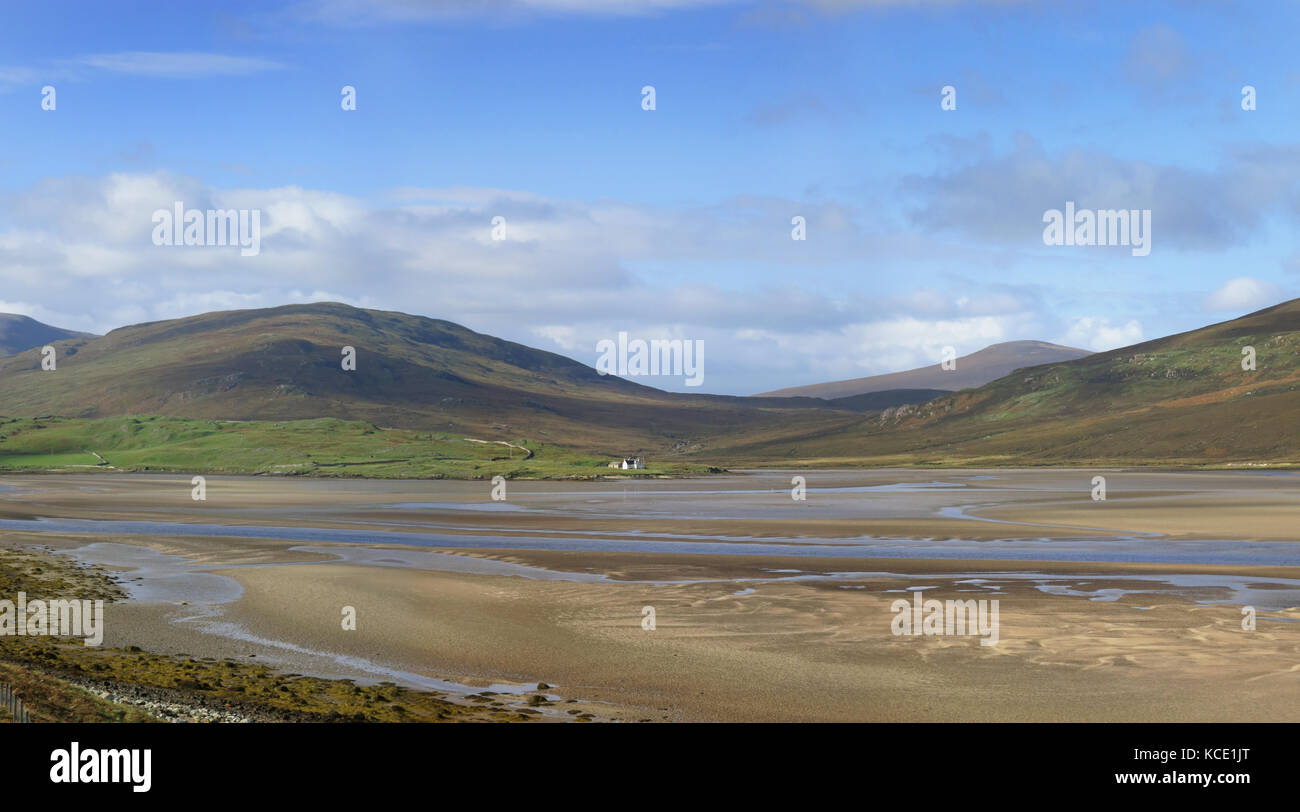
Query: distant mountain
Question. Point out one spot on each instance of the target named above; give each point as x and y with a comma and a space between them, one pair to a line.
972, 370
1184, 399
18, 333
411, 372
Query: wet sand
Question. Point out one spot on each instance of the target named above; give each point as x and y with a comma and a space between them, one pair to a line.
737, 637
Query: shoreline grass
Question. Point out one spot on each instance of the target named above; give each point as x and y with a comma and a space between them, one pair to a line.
57, 676
325, 447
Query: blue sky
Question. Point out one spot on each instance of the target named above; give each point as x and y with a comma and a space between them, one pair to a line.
924, 225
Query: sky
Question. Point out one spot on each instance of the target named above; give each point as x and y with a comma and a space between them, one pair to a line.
923, 226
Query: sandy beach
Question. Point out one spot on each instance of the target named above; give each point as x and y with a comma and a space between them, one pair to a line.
801, 633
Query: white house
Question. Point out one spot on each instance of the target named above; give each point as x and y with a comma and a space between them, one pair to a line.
633, 462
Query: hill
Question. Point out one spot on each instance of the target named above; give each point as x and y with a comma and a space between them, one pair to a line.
886, 399
412, 372
972, 370
1181, 400
425, 393
18, 333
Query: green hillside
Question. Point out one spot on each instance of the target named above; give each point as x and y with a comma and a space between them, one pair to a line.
322, 447
424, 389
416, 373
1179, 400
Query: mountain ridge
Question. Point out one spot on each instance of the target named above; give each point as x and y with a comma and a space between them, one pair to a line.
976, 369
1184, 399
412, 372
18, 333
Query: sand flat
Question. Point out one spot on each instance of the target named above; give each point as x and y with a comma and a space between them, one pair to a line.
755, 620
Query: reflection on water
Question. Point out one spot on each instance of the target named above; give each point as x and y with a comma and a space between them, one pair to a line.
1086, 549
414, 515
156, 577
159, 577
490, 507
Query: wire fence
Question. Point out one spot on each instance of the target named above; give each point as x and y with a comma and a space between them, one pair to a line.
12, 703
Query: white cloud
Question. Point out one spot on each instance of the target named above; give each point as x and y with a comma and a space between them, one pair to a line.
835, 6
1001, 198
414, 11
1096, 333
1243, 294
563, 335
187, 65
355, 12
874, 347
12, 78
81, 247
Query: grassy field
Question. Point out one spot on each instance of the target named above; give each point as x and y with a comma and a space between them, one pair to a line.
323, 447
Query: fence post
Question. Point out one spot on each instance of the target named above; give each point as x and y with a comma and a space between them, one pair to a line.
10, 700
